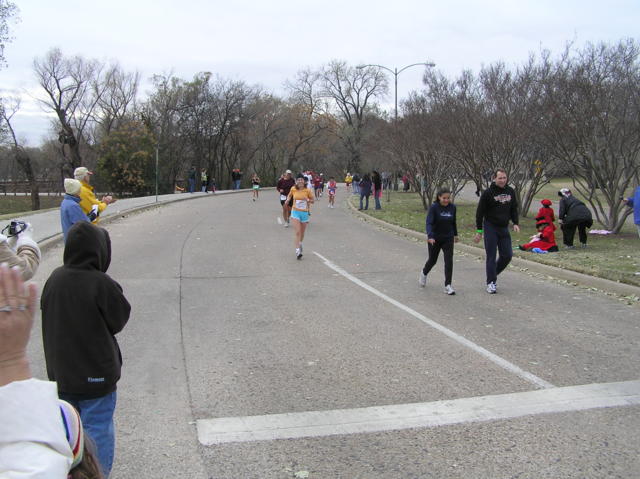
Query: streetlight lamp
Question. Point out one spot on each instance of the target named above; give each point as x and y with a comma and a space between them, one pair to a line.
395, 72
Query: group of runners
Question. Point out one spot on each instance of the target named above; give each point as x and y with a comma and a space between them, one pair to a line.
496, 209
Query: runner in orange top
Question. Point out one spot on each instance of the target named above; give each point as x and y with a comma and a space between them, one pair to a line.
302, 198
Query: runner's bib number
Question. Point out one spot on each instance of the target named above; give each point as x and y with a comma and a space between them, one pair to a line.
301, 204
283, 197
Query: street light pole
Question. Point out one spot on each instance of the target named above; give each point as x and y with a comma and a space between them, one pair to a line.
395, 72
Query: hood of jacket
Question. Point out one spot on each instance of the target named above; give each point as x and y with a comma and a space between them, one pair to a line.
87, 247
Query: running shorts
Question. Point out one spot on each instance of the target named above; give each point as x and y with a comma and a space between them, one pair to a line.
301, 216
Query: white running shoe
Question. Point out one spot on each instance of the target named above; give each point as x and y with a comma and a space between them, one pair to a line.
422, 279
286, 224
298, 253
279, 220
491, 288
449, 290
301, 247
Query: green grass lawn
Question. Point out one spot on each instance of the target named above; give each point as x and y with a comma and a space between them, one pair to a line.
13, 206
615, 257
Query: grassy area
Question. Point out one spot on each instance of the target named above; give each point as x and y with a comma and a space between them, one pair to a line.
615, 257
14, 206
551, 189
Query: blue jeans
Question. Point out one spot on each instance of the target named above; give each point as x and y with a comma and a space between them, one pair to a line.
236, 184
496, 240
376, 197
97, 420
356, 188
192, 185
364, 196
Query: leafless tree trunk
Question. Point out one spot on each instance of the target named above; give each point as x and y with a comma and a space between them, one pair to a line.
21, 156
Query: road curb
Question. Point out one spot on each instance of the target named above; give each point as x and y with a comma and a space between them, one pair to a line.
50, 242
607, 285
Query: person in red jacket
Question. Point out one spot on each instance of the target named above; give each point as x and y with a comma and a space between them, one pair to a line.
544, 240
547, 212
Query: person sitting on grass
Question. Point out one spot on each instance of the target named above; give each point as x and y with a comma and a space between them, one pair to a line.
544, 241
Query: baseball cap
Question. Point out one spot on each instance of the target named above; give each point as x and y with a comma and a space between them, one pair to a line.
71, 186
81, 172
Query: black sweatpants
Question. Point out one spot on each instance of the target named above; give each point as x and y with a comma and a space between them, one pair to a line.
447, 250
569, 231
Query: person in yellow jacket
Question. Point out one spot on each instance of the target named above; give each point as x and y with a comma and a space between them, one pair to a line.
348, 180
88, 200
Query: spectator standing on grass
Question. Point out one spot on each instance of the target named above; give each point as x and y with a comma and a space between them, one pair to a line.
88, 201
83, 309
356, 182
634, 202
496, 207
573, 214
192, 179
365, 191
376, 179
236, 176
203, 180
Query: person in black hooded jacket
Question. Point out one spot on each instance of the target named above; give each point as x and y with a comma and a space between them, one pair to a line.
82, 311
496, 207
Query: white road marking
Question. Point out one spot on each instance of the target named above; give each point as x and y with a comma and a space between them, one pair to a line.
418, 415
503, 363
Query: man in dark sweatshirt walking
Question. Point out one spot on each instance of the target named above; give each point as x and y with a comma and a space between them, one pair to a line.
496, 207
82, 311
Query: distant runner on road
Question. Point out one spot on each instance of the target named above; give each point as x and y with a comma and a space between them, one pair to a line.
284, 186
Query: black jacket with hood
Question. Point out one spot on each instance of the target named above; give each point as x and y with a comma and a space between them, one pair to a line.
82, 310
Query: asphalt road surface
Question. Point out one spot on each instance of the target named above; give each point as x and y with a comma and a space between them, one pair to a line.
242, 362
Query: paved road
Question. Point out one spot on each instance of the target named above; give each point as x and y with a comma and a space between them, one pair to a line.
340, 366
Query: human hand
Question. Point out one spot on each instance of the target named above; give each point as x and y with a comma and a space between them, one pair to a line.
431, 241
477, 238
456, 239
108, 199
17, 309
516, 228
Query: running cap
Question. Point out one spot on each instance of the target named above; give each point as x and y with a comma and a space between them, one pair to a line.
80, 172
288, 172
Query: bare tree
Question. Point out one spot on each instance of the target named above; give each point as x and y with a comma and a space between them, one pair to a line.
73, 87
352, 90
20, 155
593, 103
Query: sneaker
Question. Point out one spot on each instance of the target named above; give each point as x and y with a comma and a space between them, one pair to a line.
279, 220
301, 247
298, 253
569, 246
422, 279
286, 224
491, 288
449, 290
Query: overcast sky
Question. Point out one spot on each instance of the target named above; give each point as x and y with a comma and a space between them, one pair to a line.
267, 42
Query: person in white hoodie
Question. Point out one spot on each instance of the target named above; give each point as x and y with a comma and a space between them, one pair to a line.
41, 437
